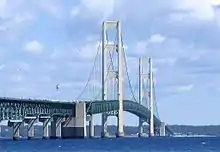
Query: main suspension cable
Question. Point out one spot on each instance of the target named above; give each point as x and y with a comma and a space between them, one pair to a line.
156, 108
126, 68
91, 72
106, 78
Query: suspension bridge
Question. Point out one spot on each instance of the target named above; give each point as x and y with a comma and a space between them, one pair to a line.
106, 91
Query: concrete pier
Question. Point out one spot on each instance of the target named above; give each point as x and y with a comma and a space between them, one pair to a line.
46, 129
56, 127
91, 127
15, 124
30, 128
141, 130
162, 129
104, 133
68, 130
45, 120
75, 127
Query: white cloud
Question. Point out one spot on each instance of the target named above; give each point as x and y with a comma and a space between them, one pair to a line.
3, 4
60, 53
157, 38
75, 11
215, 2
49, 67
183, 10
2, 66
13, 18
67, 85
165, 61
155, 70
4, 8
181, 88
95, 8
24, 66
46, 79
86, 51
10, 8
13, 26
34, 47
53, 7
2, 28
22, 18
195, 9
17, 77
92, 37
139, 49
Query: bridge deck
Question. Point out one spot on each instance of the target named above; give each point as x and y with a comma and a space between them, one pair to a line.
15, 108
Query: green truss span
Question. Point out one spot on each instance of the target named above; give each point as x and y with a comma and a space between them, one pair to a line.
18, 109
95, 107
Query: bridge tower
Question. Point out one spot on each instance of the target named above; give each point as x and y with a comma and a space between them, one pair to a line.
141, 74
106, 46
151, 99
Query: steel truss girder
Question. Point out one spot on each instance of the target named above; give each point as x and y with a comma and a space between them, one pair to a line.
16, 109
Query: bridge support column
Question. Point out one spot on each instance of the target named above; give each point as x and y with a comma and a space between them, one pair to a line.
104, 132
30, 128
45, 121
16, 128
141, 130
75, 127
56, 127
162, 129
91, 127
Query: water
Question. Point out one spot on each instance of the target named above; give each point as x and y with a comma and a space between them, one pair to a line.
203, 144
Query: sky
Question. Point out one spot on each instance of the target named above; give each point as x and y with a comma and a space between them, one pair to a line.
44, 43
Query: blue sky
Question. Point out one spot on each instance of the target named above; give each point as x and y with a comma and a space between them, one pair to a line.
43, 43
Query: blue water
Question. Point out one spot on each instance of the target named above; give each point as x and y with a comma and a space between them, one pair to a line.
204, 144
